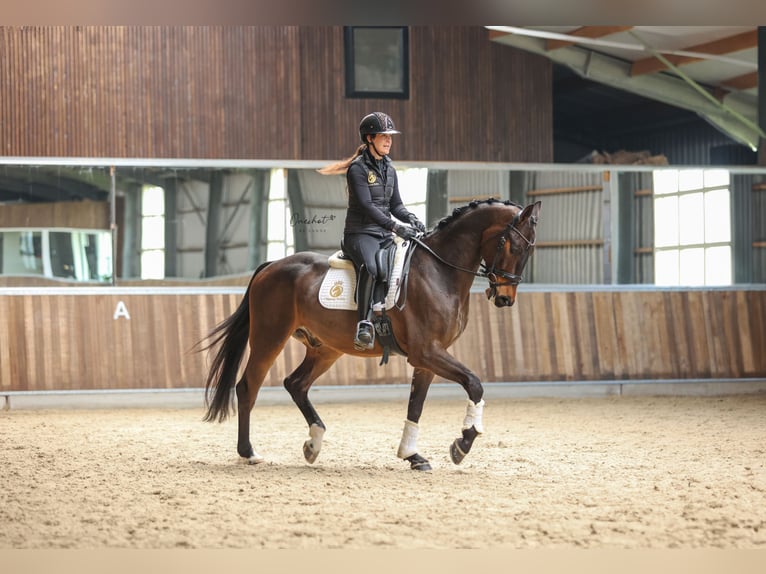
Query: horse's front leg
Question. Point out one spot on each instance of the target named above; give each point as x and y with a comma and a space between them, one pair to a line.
440, 362
408, 447
472, 427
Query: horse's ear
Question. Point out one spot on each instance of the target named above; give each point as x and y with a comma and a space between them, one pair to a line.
532, 212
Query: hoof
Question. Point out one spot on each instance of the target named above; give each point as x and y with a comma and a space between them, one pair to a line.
455, 452
417, 462
313, 445
309, 453
462, 446
254, 458
251, 457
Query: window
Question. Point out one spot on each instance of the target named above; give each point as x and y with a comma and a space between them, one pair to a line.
413, 183
280, 241
692, 227
152, 232
377, 62
70, 254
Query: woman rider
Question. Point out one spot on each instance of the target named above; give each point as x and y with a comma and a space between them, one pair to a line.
373, 197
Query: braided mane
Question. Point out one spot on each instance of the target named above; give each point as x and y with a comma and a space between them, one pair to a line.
458, 211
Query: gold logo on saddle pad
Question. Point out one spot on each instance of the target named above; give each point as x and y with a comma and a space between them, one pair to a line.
371, 177
336, 290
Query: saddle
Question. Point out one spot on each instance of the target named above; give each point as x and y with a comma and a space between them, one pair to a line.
338, 289
340, 285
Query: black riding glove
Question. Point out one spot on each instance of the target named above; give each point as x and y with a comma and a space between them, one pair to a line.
416, 223
405, 232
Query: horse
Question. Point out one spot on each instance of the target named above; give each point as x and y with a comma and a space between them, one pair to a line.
492, 239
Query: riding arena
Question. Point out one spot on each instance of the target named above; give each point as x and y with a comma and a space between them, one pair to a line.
572, 355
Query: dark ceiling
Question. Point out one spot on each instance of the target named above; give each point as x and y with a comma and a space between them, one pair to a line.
690, 90
51, 183
590, 113
46, 183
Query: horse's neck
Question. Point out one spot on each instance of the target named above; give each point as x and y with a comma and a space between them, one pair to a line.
459, 246
461, 239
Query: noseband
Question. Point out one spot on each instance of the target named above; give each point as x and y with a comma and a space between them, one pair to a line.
496, 277
499, 277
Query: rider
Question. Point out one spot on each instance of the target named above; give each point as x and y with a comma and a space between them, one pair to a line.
373, 197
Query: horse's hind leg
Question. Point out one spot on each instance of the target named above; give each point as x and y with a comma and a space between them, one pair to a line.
317, 360
262, 355
408, 447
246, 396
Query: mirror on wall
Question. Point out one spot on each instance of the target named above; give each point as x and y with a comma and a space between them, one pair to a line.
212, 223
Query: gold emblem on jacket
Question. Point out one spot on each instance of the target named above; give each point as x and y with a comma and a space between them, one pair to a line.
371, 177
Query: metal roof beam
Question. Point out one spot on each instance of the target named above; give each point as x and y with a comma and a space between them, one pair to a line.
661, 87
743, 82
736, 43
587, 32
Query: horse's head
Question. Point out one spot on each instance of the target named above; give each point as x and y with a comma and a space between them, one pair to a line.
506, 256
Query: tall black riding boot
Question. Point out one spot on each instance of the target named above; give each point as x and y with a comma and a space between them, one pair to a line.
365, 333
379, 296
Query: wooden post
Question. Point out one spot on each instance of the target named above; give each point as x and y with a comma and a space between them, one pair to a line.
212, 241
609, 218
259, 207
762, 92
437, 197
131, 233
113, 220
171, 228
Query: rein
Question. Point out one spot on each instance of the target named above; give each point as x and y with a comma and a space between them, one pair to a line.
490, 273
447, 263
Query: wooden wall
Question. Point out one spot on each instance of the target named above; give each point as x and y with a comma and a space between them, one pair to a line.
74, 214
470, 99
83, 339
164, 92
274, 92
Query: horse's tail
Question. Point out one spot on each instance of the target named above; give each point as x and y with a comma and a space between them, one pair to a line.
232, 335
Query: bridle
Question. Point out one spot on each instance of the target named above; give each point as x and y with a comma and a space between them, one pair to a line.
496, 277
492, 273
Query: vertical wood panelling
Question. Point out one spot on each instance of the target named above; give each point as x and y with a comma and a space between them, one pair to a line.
274, 92
64, 342
80, 214
7, 378
165, 92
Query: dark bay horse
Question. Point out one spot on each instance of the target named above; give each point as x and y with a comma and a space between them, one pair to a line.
490, 238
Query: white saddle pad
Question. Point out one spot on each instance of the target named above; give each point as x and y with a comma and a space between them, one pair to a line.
337, 289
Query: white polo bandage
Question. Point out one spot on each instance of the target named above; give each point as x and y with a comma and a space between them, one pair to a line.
315, 441
473, 416
409, 444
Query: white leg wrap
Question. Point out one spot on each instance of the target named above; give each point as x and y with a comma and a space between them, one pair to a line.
315, 438
409, 444
473, 416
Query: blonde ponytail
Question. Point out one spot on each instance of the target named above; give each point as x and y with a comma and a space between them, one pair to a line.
341, 166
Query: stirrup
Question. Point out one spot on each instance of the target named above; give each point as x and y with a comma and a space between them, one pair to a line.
365, 336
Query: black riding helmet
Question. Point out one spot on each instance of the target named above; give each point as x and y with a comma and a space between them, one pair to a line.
376, 123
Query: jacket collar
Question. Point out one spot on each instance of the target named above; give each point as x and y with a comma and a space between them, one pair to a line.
378, 164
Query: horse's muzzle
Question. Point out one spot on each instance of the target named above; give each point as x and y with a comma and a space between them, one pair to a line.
504, 301
501, 300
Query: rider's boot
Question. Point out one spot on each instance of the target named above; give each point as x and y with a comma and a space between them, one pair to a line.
365, 333
379, 297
